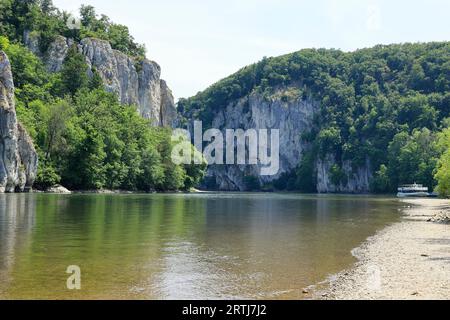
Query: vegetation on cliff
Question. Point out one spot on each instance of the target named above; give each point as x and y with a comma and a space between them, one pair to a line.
84, 137
47, 22
386, 104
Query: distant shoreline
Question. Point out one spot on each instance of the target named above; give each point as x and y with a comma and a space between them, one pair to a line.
408, 260
194, 191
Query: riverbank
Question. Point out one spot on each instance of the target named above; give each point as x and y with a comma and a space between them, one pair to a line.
58, 189
408, 260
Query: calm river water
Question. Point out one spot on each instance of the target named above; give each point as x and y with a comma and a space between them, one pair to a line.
177, 246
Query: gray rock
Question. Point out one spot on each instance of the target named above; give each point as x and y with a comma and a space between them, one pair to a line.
358, 181
29, 158
58, 189
169, 115
135, 82
31, 40
18, 158
441, 217
293, 118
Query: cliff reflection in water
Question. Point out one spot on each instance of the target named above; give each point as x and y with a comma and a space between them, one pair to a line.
17, 218
180, 246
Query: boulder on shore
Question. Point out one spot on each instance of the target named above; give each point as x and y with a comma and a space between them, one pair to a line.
58, 189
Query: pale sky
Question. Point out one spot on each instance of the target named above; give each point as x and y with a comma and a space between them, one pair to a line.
199, 42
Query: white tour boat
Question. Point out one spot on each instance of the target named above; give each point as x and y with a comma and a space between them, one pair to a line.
413, 190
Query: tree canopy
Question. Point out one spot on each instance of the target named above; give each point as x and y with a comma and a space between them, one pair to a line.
394, 97
84, 137
41, 17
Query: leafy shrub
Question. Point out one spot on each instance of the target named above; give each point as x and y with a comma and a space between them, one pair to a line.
46, 177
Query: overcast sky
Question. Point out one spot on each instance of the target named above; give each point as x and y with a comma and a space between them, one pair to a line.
199, 42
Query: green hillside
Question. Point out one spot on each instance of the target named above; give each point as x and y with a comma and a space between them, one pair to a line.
388, 103
85, 139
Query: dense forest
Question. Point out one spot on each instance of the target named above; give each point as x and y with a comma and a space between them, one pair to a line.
388, 103
85, 139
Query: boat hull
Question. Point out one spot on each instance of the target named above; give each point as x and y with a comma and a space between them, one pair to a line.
413, 195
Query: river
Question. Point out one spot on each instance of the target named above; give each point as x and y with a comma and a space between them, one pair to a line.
181, 246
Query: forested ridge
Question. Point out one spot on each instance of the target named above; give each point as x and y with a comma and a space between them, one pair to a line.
84, 137
390, 104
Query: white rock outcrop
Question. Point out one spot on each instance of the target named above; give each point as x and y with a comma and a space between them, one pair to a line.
135, 82
18, 158
293, 118
357, 180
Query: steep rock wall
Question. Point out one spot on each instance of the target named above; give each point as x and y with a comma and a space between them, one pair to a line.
357, 180
293, 118
135, 82
255, 112
18, 158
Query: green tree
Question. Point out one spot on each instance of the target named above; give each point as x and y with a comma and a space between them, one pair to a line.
88, 16
96, 81
381, 182
26, 67
46, 177
55, 121
4, 43
443, 169
74, 72
305, 179
195, 172
337, 175
413, 158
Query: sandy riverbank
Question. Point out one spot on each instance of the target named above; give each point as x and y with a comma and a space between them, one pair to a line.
408, 260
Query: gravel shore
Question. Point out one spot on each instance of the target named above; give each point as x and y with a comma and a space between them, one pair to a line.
406, 261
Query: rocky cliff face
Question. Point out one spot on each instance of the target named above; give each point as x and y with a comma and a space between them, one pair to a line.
169, 115
293, 118
136, 82
139, 83
18, 158
255, 112
357, 180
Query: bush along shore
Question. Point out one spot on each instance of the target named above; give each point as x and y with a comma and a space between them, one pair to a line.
405, 261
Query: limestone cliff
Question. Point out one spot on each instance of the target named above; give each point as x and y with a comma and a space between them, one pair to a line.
135, 82
18, 158
357, 180
293, 117
255, 112
169, 115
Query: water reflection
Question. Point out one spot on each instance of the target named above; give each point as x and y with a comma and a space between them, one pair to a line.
180, 246
16, 223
